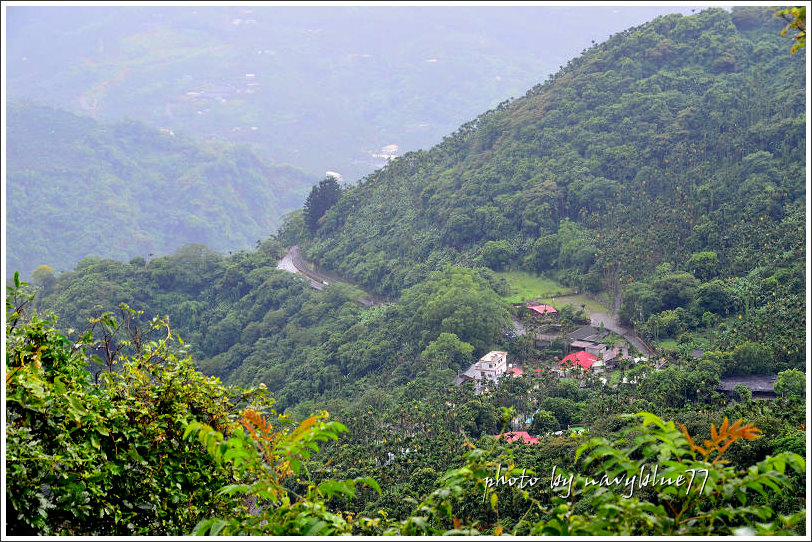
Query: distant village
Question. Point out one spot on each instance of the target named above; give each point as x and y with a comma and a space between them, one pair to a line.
590, 352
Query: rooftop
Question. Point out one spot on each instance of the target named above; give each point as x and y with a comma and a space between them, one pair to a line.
513, 436
585, 344
542, 309
582, 359
494, 356
588, 332
756, 383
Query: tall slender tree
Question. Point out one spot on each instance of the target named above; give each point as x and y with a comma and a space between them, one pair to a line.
321, 198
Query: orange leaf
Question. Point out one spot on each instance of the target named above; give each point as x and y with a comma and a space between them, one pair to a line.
735, 427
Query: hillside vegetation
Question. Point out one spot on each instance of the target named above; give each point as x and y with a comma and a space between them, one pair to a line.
666, 163
682, 135
248, 322
663, 169
80, 188
709, 270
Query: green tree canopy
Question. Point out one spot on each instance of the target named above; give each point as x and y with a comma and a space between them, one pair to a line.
457, 301
791, 382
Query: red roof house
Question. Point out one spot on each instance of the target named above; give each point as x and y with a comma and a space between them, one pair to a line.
523, 436
542, 310
582, 359
517, 371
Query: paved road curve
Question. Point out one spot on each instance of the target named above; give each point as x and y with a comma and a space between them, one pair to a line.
611, 322
294, 263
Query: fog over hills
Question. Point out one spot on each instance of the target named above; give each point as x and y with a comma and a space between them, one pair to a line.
321, 88
77, 187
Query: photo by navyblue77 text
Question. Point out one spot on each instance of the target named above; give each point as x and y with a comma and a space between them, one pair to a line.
562, 480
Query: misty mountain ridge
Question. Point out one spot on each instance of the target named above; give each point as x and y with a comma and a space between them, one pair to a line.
79, 188
320, 88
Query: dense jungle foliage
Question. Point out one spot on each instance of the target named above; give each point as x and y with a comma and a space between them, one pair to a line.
603, 178
667, 162
683, 135
78, 188
248, 322
148, 445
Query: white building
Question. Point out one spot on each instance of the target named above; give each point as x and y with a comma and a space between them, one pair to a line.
491, 366
389, 152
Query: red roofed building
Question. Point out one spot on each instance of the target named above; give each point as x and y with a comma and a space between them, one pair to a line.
514, 436
542, 310
585, 360
517, 371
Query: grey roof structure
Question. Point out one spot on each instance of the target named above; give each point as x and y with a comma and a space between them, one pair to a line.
756, 383
588, 332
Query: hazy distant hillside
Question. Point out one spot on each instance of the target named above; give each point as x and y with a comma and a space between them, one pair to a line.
320, 88
78, 188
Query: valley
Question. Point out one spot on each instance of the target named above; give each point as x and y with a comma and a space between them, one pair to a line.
603, 277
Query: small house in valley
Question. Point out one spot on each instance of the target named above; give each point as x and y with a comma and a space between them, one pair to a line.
761, 386
587, 333
587, 339
518, 436
544, 311
491, 366
581, 359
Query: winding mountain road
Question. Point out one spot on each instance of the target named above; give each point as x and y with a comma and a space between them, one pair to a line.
294, 263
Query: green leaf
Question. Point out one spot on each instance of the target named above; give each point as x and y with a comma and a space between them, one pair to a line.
295, 465
191, 428
76, 408
370, 482
59, 385
330, 488
780, 464
315, 528
217, 526
234, 488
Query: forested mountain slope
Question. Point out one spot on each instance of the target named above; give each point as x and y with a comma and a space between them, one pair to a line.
79, 188
698, 217
248, 322
680, 136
